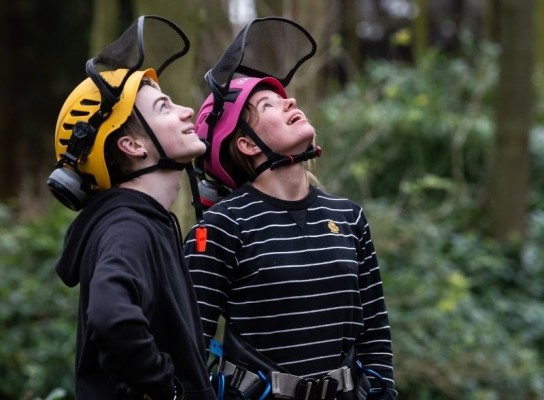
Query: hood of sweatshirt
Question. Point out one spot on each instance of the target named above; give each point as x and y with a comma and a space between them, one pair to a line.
99, 207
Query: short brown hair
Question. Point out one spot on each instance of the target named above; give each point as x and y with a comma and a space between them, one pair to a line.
118, 162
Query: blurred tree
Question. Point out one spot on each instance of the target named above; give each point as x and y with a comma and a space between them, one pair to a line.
270, 7
213, 34
508, 182
320, 19
10, 26
421, 31
539, 15
43, 53
491, 20
105, 24
350, 18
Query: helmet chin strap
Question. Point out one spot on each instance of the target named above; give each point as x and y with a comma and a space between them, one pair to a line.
164, 161
276, 160
169, 164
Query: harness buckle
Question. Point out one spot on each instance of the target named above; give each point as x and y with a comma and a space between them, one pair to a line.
317, 389
328, 388
306, 389
237, 377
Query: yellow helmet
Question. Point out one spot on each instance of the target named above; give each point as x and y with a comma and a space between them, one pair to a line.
102, 103
80, 106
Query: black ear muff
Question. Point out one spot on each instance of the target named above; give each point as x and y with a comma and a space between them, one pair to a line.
208, 194
65, 183
211, 192
68, 187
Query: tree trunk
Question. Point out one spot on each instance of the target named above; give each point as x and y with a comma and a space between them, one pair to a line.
539, 15
37, 63
420, 41
508, 184
213, 33
105, 27
491, 18
10, 48
270, 8
320, 19
350, 20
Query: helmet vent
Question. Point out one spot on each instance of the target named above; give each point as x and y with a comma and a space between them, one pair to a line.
79, 113
89, 102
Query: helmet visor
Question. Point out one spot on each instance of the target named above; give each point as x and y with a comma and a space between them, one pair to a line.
271, 46
149, 42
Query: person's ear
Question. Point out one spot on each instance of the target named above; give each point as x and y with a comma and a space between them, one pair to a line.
247, 146
132, 147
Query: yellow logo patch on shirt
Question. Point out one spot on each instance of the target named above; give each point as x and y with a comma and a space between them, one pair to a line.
333, 227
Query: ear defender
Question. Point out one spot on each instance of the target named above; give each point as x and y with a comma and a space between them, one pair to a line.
68, 187
211, 192
65, 183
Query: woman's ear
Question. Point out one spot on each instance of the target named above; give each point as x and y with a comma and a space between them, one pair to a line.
132, 147
247, 146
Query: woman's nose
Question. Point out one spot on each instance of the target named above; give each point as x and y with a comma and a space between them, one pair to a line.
290, 103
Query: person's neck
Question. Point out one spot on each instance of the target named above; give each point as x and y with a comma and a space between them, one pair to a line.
162, 185
285, 183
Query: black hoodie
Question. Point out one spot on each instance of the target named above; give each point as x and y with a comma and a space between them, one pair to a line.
138, 323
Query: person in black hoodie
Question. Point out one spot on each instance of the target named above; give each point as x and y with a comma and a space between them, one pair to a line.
139, 334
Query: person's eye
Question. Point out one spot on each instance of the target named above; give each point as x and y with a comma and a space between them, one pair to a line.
164, 106
266, 105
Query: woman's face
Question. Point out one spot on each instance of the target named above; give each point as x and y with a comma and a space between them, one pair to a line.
171, 124
279, 123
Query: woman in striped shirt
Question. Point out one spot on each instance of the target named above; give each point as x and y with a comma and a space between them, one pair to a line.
290, 267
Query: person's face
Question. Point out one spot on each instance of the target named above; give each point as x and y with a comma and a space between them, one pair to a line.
279, 123
171, 124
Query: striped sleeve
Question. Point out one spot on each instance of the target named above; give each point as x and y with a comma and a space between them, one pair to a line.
211, 270
374, 343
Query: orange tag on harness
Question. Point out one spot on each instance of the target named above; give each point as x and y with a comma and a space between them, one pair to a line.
201, 237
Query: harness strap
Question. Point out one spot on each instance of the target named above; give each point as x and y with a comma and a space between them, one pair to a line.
291, 386
243, 379
284, 384
344, 378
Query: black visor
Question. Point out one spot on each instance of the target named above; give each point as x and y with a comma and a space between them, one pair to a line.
149, 42
271, 46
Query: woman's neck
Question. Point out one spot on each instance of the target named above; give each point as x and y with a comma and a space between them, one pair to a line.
285, 183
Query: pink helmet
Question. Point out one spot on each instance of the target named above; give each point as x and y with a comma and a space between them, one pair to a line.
239, 92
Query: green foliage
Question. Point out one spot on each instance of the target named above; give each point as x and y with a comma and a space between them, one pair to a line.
37, 312
413, 146
467, 320
409, 123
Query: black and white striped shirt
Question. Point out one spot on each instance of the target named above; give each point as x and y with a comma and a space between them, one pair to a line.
298, 279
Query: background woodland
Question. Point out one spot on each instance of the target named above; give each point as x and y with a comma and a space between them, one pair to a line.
430, 114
